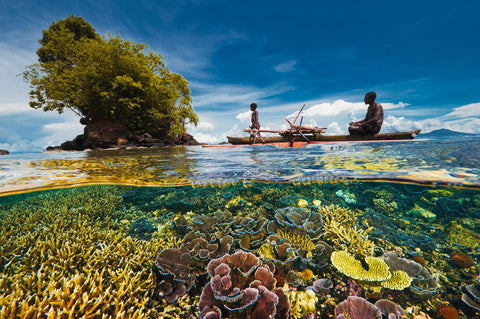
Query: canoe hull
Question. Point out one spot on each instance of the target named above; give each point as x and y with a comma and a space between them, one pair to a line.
408, 135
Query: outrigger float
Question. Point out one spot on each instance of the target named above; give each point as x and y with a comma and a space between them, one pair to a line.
299, 136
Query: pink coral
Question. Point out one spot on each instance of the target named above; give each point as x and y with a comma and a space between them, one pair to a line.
239, 283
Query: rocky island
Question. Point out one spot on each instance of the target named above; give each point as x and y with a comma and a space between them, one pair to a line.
102, 134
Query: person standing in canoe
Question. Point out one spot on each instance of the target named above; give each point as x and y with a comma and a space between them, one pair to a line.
372, 123
254, 133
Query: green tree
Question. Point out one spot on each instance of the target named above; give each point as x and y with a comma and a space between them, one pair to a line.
108, 77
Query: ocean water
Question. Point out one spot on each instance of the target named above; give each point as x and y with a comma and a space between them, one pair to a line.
243, 232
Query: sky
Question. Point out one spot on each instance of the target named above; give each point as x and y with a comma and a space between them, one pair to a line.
420, 57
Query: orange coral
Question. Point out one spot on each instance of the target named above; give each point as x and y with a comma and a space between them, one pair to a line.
447, 312
462, 260
306, 274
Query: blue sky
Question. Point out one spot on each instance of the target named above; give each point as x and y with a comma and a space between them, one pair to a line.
421, 57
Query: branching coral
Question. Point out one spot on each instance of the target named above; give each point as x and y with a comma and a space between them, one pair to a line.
62, 255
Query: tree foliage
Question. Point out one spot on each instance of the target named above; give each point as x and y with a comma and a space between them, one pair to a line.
109, 77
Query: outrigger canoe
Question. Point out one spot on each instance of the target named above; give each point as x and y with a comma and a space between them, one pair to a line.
299, 136
319, 138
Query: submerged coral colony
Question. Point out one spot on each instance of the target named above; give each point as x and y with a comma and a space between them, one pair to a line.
259, 250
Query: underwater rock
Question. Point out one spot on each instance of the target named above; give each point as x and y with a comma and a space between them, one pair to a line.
173, 277
471, 295
239, 283
357, 308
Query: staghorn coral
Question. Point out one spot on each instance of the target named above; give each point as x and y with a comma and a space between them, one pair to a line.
378, 270
66, 258
239, 283
341, 230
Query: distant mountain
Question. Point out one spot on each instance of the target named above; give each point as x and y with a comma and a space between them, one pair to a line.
446, 133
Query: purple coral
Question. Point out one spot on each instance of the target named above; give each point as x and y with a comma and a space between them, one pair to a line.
321, 285
239, 283
471, 295
390, 309
357, 308
299, 219
173, 277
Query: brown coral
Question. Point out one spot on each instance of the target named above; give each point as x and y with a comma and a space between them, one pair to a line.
447, 312
462, 260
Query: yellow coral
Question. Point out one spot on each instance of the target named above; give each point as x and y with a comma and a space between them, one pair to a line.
378, 270
302, 203
399, 281
302, 302
300, 241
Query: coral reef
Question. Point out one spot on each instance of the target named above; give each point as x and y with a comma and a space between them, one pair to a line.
138, 252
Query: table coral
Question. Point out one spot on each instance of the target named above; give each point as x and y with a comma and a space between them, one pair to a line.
378, 270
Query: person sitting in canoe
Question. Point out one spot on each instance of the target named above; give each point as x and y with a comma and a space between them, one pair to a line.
372, 123
254, 133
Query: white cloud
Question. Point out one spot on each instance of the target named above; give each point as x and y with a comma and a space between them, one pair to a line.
204, 125
284, 67
466, 110
244, 117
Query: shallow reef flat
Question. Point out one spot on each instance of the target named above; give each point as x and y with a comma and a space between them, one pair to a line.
332, 249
